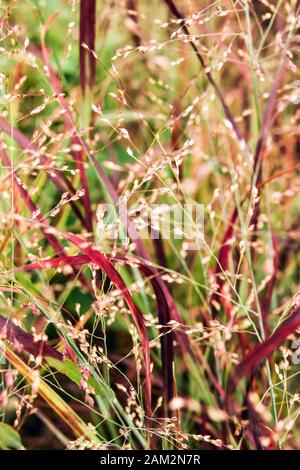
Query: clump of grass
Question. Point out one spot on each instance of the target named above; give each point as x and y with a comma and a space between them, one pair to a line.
143, 340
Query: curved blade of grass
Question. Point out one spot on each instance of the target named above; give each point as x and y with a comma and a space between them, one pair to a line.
105, 265
166, 338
